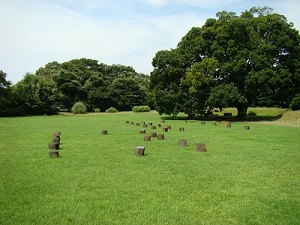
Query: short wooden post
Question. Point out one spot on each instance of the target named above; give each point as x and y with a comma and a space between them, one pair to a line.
104, 132
142, 131
147, 138
228, 125
160, 137
214, 124
56, 134
163, 121
181, 129
139, 151
165, 129
153, 134
182, 142
247, 127
144, 125
159, 125
138, 124
202, 122
169, 127
200, 147
53, 146
153, 127
54, 153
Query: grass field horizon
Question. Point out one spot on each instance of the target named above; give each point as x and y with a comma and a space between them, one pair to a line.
245, 177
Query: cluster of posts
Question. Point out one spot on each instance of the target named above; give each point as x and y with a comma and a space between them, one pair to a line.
54, 145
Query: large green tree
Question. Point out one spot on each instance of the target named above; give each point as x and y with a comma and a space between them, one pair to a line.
254, 57
5, 95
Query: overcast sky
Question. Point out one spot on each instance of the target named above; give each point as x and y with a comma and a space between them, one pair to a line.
128, 32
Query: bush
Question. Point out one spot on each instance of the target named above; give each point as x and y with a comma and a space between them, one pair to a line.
111, 110
79, 108
251, 113
142, 108
97, 110
295, 103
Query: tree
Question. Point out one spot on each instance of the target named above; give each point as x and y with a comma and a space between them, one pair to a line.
126, 93
253, 55
5, 95
36, 95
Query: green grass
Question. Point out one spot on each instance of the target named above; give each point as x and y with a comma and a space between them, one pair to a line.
245, 177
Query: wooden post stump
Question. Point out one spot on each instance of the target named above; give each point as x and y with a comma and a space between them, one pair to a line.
53, 146
160, 137
159, 125
147, 138
163, 121
165, 129
247, 127
228, 125
139, 151
153, 134
153, 127
144, 125
56, 140
138, 124
182, 142
142, 131
181, 129
169, 127
200, 147
56, 134
214, 124
202, 122
104, 132
54, 153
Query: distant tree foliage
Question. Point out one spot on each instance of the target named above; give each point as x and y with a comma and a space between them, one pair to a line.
237, 61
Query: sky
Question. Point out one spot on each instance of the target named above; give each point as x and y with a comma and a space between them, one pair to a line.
127, 32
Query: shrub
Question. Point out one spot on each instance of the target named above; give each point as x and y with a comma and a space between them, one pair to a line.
97, 110
295, 103
251, 113
79, 108
111, 110
142, 108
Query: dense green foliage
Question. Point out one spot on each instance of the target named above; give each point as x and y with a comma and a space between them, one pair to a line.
58, 86
141, 108
237, 61
79, 108
111, 110
245, 177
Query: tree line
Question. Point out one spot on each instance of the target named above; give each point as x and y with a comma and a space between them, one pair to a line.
246, 60
58, 86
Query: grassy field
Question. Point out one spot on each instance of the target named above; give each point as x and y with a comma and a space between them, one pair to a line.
245, 177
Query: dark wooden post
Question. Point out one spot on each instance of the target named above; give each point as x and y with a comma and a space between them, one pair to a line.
169, 127
181, 129
104, 132
214, 124
160, 137
147, 138
228, 125
153, 134
165, 129
182, 142
142, 131
247, 127
200, 148
139, 151
54, 153
153, 127
53, 146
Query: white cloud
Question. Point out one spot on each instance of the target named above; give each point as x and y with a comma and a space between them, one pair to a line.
156, 3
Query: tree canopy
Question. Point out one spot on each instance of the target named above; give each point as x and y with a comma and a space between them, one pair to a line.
239, 61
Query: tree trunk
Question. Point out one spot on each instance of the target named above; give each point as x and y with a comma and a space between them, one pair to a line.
242, 112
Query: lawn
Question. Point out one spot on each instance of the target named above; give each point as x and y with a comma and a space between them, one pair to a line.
244, 177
